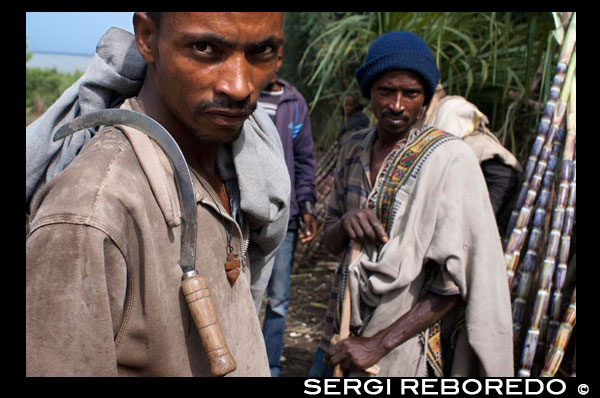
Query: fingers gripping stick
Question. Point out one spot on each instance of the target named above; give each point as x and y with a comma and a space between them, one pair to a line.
345, 318
194, 287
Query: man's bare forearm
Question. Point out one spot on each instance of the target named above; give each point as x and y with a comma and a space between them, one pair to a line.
428, 309
362, 352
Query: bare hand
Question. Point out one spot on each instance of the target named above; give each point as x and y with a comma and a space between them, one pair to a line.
309, 230
362, 352
363, 226
355, 353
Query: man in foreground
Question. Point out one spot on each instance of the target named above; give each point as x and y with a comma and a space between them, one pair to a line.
423, 267
103, 287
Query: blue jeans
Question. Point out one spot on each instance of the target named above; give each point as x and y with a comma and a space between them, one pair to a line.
278, 299
320, 368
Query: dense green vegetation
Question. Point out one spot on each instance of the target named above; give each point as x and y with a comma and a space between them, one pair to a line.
43, 87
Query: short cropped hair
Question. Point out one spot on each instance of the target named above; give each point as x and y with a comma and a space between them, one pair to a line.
155, 16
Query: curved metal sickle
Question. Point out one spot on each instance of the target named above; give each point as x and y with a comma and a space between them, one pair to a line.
187, 198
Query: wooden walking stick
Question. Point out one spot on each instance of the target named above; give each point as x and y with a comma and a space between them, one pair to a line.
346, 315
344, 326
194, 286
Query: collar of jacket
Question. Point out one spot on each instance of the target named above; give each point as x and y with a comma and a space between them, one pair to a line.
290, 93
157, 168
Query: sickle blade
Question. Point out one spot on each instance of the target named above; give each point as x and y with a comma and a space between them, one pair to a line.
187, 198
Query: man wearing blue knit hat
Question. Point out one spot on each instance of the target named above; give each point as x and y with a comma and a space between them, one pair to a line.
422, 290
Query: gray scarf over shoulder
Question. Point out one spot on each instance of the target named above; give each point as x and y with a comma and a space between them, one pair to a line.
117, 72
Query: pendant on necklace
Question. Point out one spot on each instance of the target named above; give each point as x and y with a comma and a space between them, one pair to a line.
232, 267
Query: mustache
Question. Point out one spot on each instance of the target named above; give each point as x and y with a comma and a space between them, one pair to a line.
389, 112
226, 104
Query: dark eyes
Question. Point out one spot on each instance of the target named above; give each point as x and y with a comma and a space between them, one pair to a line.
385, 90
261, 50
204, 48
390, 91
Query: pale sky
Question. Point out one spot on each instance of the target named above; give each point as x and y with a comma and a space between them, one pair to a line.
72, 32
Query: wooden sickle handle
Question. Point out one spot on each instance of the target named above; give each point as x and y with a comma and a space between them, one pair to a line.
197, 296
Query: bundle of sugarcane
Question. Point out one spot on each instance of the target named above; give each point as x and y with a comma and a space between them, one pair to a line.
322, 186
524, 278
558, 226
331, 154
553, 115
324, 178
557, 83
568, 176
326, 163
550, 322
557, 351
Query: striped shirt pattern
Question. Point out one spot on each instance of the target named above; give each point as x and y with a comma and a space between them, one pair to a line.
269, 101
351, 182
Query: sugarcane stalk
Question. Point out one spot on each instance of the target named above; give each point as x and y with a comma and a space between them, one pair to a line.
574, 371
538, 323
566, 223
568, 177
327, 155
517, 237
536, 238
527, 268
559, 281
560, 19
557, 351
325, 172
518, 214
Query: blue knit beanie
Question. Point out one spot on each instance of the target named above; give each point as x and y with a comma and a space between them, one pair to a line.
398, 51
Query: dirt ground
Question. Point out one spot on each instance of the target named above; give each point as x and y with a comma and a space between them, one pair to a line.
309, 294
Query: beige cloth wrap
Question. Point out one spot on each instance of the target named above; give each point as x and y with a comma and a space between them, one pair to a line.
444, 215
463, 119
